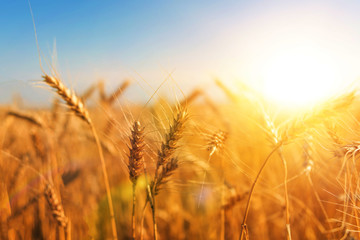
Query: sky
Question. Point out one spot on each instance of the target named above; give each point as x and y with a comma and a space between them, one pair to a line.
195, 41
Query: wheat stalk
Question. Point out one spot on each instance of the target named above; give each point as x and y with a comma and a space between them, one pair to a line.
136, 163
76, 105
166, 164
275, 139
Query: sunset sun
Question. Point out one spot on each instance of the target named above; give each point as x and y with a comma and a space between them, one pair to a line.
300, 76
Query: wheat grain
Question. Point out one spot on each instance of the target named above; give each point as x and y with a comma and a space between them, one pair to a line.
73, 102
136, 162
55, 206
171, 138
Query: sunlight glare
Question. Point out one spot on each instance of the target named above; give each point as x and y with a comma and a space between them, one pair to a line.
300, 76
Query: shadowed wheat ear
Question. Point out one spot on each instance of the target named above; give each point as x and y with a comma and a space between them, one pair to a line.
55, 206
76, 105
57, 210
136, 163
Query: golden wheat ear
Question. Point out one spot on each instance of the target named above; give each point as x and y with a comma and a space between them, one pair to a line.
77, 106
71, 99
55, 206
216, 142
318, 115
167, 170
172, 138
136, 163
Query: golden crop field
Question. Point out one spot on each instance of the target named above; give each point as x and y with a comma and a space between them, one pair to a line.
194, 168
179, 120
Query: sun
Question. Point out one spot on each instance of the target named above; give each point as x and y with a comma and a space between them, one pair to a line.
300, 76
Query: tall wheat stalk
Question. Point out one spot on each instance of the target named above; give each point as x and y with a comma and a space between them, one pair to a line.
136, 164
274, 138
77, 106
166, 163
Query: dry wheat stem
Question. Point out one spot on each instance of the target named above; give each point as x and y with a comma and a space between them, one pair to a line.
274, 135
320, 203
243, 225
287, 216
106, 181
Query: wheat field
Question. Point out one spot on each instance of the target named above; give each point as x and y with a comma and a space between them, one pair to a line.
185, 168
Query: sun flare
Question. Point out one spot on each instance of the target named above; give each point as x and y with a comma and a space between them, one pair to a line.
300, 76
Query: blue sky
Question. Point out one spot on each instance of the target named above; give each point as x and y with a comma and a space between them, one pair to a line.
196, 40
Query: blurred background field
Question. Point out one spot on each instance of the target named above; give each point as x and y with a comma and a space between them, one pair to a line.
321, 160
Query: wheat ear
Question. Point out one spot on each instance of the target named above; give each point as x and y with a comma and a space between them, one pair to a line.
73, 102
171, 139
118, 92
33, 119
76, 105
166, 172
215, 143
165, 154
57, 210
317, 116
136, 163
